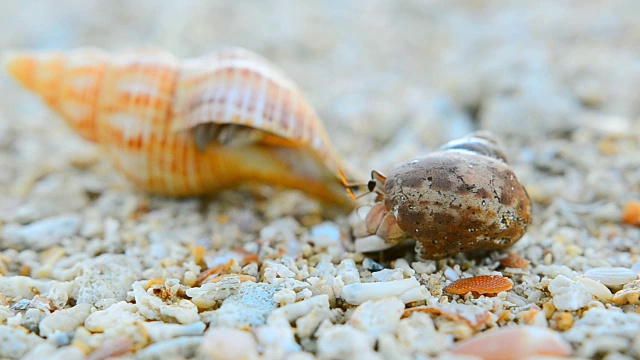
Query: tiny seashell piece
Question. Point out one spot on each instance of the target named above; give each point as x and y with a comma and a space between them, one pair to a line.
514, 260
631, 213
612, 276
484, 284
184, 127
594, 287
630, 294
514, 342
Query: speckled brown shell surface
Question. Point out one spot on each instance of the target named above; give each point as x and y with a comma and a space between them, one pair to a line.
457, 201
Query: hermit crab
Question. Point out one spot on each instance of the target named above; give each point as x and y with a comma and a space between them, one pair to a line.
189, 127
462, 198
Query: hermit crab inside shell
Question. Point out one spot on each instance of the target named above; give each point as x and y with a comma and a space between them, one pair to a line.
462, 198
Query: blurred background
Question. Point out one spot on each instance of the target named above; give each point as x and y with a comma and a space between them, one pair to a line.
391, 79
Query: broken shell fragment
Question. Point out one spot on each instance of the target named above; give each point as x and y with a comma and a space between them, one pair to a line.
630, 294
631, 213
462, 198
514, 342
514, 260
612, 276
484, 284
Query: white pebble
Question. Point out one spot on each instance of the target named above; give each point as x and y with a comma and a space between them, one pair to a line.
178, 348
372, 243
612, 276
41, 234
207, 295
119, 314
182, 312
250, 306
285, 297
66, 320
378, 316
222, 343
595, 288
356, 294
345, 342
277, 336
325, 234
16, 341
22, 286
568, 294
160, 331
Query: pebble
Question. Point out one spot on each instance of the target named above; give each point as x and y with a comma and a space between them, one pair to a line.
595, 288
15, 342
120, 314
296, 310
66, 320
378, 316
161, 331
23, 286
41, 234
567, 294
179, 348
358, 293
612, 276
223, 343
277, 337
332, 344
249, 306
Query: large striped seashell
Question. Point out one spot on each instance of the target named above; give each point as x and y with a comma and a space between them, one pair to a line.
189, 127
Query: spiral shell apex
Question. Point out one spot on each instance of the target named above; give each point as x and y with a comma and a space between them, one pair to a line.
189, 127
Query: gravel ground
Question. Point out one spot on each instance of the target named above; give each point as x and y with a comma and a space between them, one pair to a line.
92, 268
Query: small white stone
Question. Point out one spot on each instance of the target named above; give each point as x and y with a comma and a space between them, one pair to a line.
16, 341
160, 331
345, 342
43, 233
207, 295
107, 276
372, 243
388, 275
23, 286
325, 234
568, 294
293, 311
612, 276
451, 274
184, 347
51, 352
356, 294
183, 312
250, 306
285, 297
222, 343
378, 316
119, 314
276, 337
595, 288
66, 320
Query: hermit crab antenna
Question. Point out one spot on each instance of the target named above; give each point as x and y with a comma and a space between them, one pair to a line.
352, 188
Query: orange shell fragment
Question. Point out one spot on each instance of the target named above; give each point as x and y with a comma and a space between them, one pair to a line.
514, 261
631, 213
484, 284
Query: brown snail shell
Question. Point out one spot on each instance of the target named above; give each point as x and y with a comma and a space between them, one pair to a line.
184, 127
462, 198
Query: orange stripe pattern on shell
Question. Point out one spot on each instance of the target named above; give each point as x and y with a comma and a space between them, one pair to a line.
484, 284
143, 108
